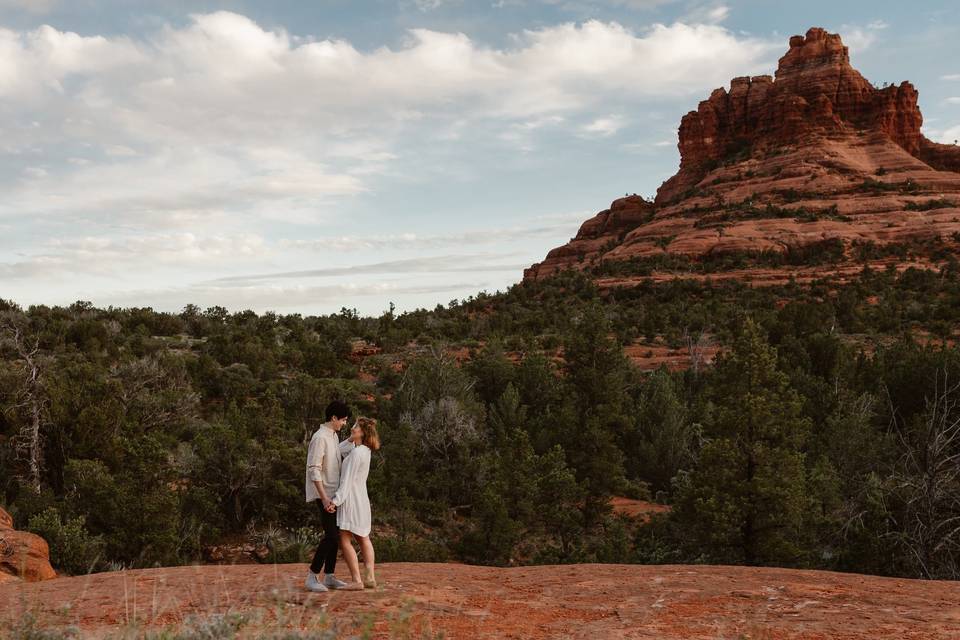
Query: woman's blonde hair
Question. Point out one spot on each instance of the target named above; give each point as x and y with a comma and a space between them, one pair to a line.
370, 436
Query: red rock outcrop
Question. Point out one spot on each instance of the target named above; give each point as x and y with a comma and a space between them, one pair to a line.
818, 141
23, 555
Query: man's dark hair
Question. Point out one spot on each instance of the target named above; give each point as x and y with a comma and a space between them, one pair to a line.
337, 409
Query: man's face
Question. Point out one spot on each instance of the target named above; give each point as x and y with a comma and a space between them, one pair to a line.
337, 423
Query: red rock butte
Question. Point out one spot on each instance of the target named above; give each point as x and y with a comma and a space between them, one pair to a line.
815, 153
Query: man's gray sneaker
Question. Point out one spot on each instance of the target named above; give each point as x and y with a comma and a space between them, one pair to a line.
331, 581
312, 584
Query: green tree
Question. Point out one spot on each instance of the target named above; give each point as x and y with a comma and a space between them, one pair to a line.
745, 500
665, 437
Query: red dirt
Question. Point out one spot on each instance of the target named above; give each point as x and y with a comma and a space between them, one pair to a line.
463, 602
637, 508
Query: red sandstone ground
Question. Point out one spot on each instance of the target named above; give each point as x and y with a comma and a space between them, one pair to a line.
576, 601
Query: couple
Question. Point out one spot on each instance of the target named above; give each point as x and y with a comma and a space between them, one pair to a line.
337, 482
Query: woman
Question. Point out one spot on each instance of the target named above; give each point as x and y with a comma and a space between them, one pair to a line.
353, 505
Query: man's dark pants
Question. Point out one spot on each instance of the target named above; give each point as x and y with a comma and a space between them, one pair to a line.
326, 556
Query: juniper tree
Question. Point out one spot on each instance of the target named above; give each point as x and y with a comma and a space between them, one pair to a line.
745, 500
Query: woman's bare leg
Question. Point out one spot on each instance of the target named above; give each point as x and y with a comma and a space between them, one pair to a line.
366, 548
346, 547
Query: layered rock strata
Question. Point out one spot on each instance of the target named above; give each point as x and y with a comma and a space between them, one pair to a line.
813, 154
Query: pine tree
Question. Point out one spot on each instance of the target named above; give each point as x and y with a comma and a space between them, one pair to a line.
745, 500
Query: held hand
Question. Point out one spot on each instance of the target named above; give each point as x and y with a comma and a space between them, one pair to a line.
331, 508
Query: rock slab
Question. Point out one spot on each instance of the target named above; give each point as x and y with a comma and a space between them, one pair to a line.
23, 555
468, 602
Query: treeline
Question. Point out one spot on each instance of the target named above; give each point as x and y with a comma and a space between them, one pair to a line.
826, 435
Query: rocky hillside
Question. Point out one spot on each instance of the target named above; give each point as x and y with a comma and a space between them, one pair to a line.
464, 602
815, 160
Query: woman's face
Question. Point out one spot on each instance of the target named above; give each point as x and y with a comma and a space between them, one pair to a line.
356, 433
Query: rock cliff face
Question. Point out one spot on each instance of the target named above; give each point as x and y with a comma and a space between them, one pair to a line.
817, 140
22, 555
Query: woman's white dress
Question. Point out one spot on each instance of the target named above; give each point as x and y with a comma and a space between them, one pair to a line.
353, 504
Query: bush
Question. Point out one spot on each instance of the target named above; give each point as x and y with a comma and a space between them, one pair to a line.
410, 550
73, 549
286, 546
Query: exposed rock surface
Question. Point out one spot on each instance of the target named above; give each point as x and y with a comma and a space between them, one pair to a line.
22, 555
465, 602
816, 153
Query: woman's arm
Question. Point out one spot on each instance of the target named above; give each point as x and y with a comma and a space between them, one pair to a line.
346, 447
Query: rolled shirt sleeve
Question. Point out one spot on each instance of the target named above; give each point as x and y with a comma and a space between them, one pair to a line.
315, 460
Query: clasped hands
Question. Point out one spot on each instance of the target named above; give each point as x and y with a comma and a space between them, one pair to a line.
329, 506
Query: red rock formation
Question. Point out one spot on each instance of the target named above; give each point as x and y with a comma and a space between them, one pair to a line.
816, 138
23, 555
603, 231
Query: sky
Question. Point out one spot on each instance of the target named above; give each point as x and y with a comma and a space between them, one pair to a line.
302, 156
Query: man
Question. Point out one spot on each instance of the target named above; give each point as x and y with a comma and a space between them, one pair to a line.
323, 477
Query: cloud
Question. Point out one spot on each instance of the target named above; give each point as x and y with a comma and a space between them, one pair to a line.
951, 77
435, 264
861, 37
947, 136
183, 146
585, 5
602, 127
414, 241
708, 14
32, 6
954, 100
103, 255
430, 5
224, 118
224, 64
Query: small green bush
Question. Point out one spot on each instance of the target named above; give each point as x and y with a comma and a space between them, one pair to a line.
72, 548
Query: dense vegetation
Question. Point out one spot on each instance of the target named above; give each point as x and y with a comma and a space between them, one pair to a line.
825, 435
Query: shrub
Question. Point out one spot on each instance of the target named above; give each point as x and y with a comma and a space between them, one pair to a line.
72, 548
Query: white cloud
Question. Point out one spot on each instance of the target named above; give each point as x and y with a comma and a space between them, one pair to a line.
586, 5
602, 127
33, 6
433, 264
34, 172
430, 5
947, 136
709, 14
861, 37
105, 255
225, 118
951, 77
954, 100
414, 241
